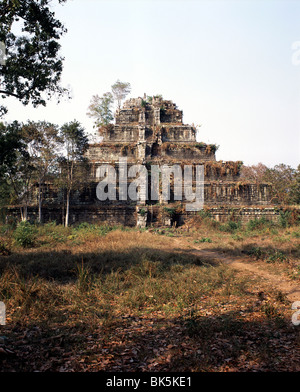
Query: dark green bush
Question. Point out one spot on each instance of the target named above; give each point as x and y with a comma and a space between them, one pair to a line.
284, 218
230, 227
260, 223
25, 234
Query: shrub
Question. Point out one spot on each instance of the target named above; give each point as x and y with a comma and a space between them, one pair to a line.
284, 218
269, 255
256, 252
171, 212
142, 211
51, 232
296, 234
25, 234
277, 256
230, 227
260, 223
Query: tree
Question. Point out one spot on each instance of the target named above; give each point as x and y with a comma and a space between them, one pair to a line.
254, 173
73, 165
100, 109
33, 65
295, 187
10, 143
43, 143
120, 90
281, 176
16, 169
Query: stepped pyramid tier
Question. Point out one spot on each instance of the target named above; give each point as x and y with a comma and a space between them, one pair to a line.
150, 130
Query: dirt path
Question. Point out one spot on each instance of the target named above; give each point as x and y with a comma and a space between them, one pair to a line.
244, 264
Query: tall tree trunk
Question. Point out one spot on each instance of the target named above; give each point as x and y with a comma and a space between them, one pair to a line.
23, 213
67, 209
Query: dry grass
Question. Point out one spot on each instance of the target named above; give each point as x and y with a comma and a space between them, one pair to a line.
100, 298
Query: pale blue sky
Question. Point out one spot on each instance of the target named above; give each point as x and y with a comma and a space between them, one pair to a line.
226, 64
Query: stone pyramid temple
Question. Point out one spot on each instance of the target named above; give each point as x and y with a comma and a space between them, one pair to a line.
150, 131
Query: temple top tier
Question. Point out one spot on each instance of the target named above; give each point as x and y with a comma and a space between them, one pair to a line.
150, 128
148, 111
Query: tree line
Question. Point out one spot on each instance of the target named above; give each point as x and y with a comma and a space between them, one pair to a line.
284, 178
37, 153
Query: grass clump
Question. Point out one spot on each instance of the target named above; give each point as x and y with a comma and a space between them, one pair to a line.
99, 230
203, 239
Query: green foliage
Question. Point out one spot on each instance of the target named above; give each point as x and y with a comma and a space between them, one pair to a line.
268, 255
296, 234
74, 139
143, 211
171, 212
25, 234
277, 256
284, 218
260, 223
100, 109
255, 251
11, 142
16, 166
203, 239
200, 145
230, 226
73, 166
33, 67
100, 230
210, 148
237, 237
53, 233
120, 90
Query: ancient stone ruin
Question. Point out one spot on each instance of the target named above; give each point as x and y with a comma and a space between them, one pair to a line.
150, 131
